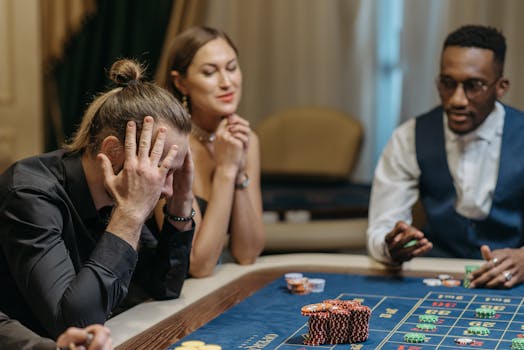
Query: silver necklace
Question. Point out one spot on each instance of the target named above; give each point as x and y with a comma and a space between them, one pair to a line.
202, 135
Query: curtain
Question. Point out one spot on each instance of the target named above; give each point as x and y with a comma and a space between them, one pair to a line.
120, 28
61, 20
309, 52
304, 53
185, 14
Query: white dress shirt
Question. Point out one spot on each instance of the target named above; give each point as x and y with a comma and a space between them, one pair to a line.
473, 160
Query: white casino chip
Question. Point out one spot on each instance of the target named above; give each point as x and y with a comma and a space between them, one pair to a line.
432, 282
463, 341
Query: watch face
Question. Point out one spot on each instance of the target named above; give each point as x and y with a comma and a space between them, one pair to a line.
243, 184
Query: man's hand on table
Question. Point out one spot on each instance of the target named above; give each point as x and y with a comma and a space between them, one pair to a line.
405, 242
503, 268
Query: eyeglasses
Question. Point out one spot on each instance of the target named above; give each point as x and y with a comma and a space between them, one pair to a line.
472, 88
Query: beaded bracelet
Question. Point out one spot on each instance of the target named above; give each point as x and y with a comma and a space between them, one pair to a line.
178, 218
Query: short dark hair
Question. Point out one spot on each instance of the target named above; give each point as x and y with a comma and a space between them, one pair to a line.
479, 36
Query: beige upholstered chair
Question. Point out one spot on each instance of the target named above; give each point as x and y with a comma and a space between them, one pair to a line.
310, 142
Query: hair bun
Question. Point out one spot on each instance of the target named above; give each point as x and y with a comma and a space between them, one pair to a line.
126, 72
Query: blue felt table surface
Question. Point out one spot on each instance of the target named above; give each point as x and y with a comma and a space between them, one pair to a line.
271, 319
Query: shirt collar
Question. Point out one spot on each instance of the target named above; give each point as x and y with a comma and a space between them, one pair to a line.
490, 129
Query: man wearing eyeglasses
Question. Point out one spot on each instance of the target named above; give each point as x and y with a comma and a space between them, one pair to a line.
464, 160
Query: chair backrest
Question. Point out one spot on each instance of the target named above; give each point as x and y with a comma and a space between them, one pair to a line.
309, 142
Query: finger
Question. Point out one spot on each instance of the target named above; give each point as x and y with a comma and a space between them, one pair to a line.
488, 275
509, 276
231, 139
169, 160
242, 137
71, 337
100, 337
399, 228
238, 128
402, 247
410, 238
491, 264
107, 167
236, 119
130, 141
145, 138
99, 340
497, 281
158, 147
402, 244
401, 250
413, 244
512, 282
422, 249
188, 162
222, 125
485, 252
481, 270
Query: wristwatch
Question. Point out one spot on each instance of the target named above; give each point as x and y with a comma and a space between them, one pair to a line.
244, 183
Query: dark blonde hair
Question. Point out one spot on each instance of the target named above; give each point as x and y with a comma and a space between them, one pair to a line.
183, 50
131, 100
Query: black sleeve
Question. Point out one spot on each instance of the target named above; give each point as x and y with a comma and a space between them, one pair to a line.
59, 293
14, 336
163, 263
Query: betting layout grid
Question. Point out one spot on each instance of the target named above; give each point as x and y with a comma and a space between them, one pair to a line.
457, 313
395, 312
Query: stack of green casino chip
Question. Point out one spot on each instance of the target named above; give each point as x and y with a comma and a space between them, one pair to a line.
428, 319
414, 338
484, 312
517, 343
478, 330
426, 326
467, 277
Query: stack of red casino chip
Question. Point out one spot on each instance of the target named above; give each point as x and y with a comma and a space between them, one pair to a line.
337, 322
341, 320
360, 326
318, 329
318, 323
339, 325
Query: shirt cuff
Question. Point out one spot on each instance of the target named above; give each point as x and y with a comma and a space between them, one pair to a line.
117, 255
381, 254
170, 229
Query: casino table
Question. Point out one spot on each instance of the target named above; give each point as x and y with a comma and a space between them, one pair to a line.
249, 307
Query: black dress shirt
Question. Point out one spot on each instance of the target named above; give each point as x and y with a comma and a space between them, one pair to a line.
14, 336
58, 265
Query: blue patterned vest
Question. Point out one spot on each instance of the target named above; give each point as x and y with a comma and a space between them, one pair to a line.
452, 234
